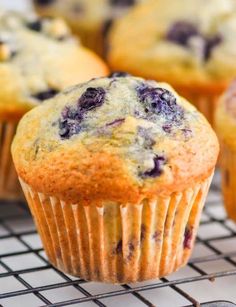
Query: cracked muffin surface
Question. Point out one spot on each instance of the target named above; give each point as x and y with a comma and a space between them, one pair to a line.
119, 139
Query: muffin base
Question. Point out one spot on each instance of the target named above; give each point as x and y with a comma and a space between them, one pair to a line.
9, 183
228, 169
119, 243
205, 103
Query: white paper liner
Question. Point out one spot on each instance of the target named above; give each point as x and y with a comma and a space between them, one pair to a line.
119, 243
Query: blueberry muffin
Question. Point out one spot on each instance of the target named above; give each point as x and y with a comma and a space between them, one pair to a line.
90, 19
226, 129
38, 58
124, 166
190, 43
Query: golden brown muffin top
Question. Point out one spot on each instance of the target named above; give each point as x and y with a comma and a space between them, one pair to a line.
118, 139
38, 58
188, 43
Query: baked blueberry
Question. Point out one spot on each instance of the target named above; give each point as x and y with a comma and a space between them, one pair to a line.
160, 101
35, 25
188, 235
210, 44
118, 74
167, 127
46, 94
68, 127
70, 122
92, 98
71, 118
181, 31
157, 170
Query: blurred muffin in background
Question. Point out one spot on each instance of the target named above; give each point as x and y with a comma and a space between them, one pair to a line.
38, 58
189, 43
90, 19
226, 128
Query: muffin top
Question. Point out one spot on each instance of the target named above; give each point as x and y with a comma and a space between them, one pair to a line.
188, 43
120, 139
85, 13
226, 116
38, 58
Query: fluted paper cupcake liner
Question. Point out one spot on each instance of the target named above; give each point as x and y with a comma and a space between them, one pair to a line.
9, 183
119, 243
228, 170
205, 103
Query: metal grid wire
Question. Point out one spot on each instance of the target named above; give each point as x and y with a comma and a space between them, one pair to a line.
15, 246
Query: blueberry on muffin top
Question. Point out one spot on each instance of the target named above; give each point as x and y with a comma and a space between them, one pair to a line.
114, 130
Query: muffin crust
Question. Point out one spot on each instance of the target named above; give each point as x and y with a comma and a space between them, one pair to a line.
119, 139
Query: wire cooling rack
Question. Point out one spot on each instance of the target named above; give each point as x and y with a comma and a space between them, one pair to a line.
27, 279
